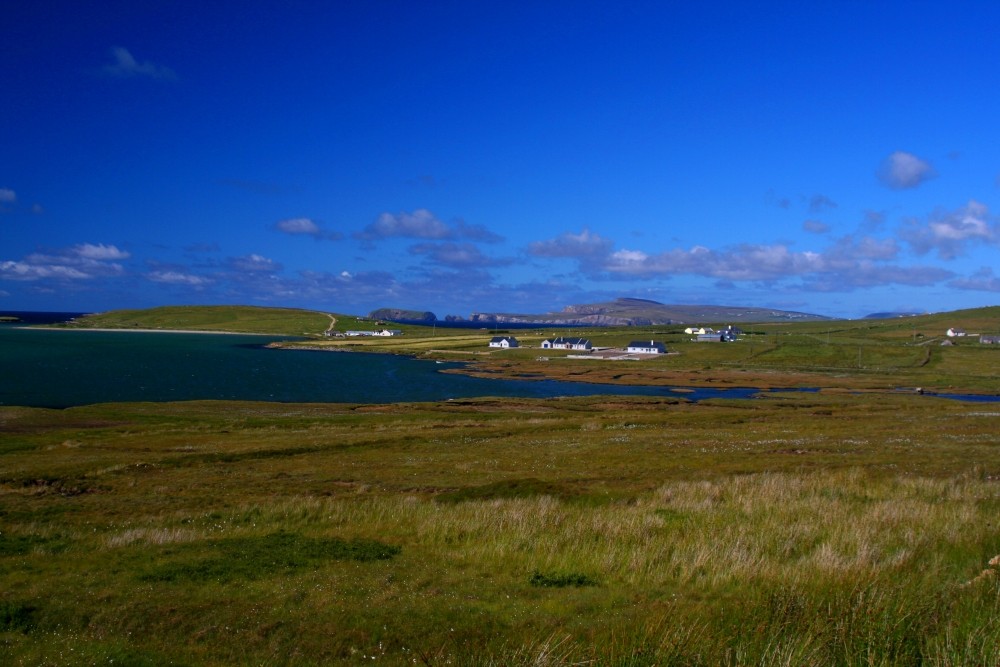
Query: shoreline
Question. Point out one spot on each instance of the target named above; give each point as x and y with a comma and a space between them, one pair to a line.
174, 331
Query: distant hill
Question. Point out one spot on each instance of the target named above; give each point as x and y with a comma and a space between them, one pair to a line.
401, 315
643, 312
242, 319
887, 316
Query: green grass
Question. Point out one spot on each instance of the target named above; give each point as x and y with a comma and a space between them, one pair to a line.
797, 529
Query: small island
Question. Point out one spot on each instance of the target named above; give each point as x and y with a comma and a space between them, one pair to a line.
9, 319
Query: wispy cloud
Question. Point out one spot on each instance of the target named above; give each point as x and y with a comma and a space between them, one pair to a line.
178, 278
903, 171
815, 226
819, 203
456, 255
983, 280
253, 263
126, 66
422, 224
305, 227
99, 252
583, 246
80, 262
7, 196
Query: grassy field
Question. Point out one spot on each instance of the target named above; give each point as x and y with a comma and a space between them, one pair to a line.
796, 529
852, 526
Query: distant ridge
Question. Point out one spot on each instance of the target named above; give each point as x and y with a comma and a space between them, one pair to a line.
888, 316
627, 311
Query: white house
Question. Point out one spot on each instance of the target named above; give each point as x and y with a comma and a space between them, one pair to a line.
954, 331
642, 347
699, 331
563, 343
379, 332
503, 341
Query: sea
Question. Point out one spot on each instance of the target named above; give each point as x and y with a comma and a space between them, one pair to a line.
60, 368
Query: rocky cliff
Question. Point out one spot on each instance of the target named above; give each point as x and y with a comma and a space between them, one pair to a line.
398, 315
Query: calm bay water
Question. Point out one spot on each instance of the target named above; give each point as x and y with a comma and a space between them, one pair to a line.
57, 368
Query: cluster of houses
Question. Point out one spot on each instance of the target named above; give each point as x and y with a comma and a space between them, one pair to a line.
985, 339
566, 343
709, 335
376, 332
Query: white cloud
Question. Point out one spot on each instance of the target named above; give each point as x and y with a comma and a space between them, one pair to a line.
305, 227
584, 245
949, 233
298, 226
254, 263
99, 252
126, 65
177, 278
7, 196
81, 262
34, 270
902, 171
421, 224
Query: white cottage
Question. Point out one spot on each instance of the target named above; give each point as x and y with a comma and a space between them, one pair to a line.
643, 347
563, 343
503, 341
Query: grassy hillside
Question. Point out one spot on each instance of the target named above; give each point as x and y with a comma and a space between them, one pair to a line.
790, 530
241, 319
237, 319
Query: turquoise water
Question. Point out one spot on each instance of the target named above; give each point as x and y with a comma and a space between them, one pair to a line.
58, 368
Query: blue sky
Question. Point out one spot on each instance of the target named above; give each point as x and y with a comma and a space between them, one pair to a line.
838, 158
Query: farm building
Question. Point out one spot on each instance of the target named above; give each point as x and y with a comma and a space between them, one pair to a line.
503, 341
644, 347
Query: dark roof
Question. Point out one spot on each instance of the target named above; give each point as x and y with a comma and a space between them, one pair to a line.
571, 341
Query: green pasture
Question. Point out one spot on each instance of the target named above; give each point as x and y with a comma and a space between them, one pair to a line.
792, 529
